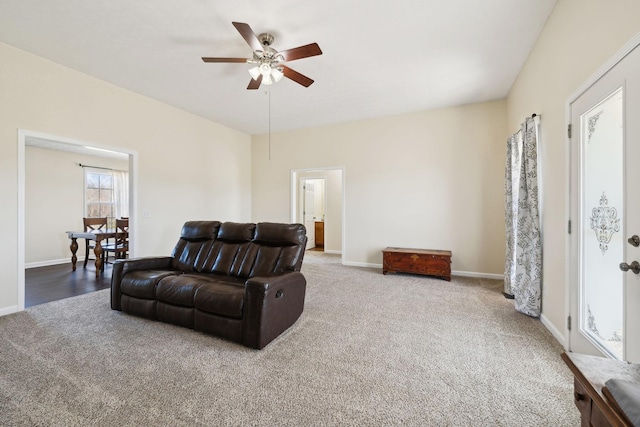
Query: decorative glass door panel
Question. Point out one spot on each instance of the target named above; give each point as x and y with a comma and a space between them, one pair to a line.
601, 240
604, 256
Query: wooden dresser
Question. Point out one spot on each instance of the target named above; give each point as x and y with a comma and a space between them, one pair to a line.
596, 405
417, 261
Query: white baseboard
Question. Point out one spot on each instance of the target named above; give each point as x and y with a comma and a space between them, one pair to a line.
453, 273
478, 275
329, 251
361, 264
554, 331
51, 262
8, 310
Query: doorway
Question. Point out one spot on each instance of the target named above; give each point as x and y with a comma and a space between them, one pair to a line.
317, 201
34, 139
605, 247
313, 196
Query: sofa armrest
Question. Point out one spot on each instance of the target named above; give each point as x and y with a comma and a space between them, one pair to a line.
272, 304
123, 266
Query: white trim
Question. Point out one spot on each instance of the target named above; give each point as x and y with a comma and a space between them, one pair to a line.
8, 310
361, 264
604, 69
476, 275
453, 272
333, 252
554, 331
22, 136
50, 262
23, 140
133, 203
294, 199
568, 239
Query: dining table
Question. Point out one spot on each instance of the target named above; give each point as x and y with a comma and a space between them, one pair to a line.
96, 235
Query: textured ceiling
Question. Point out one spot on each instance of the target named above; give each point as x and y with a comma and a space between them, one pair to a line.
380, 58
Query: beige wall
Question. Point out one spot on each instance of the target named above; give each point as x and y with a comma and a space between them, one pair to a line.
54, 201
428, 179
579, 37
188, 167
432, 179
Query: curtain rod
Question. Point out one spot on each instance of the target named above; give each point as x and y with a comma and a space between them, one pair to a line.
94, 167
99, 167
533, 116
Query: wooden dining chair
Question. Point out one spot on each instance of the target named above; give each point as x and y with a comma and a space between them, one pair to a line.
92, 224
120, 247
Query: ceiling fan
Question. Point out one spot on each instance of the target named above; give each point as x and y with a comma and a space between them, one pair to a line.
269, 66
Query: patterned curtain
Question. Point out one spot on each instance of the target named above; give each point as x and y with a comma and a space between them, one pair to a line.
523, 261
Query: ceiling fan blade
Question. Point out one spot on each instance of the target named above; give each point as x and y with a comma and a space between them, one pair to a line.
239, 60
296, 76
255, 84
301, 52
247, 33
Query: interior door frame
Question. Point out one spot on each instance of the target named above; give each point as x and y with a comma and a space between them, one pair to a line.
570, 250
24, 139
302, 188
295, 196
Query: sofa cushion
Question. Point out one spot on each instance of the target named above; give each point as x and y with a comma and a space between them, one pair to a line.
274, 234
226, 258
178, 290
223, 327
181, 316
228, 255
196, 240
139, 307
223, 299
234, 232
142, 283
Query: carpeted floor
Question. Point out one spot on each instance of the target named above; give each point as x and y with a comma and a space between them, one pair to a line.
368, 350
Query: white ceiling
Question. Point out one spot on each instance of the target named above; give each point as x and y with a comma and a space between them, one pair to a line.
380, 57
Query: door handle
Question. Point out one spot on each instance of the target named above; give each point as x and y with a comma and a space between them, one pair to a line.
634, 240
634, 266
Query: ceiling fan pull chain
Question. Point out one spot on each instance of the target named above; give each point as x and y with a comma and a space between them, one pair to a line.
269, 91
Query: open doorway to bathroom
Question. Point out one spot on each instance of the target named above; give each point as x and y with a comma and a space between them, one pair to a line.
312, 204
318, 203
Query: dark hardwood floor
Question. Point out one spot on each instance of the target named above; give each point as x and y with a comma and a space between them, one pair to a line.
45, 284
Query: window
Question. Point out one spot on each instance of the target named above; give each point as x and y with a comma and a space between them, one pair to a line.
98, 194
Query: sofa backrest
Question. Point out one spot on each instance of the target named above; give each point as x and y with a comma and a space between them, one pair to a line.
229, 253
278, 248
196, 240
241, 250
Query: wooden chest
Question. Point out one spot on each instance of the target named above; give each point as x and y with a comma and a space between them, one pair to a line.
597, 406
418, 261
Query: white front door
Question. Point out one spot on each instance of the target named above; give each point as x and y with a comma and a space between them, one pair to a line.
605, 214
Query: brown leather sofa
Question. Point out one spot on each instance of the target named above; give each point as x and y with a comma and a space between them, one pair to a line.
241, 282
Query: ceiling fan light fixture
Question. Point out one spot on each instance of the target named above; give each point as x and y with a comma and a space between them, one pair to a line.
277, 74
270, 73
265, 69
255, 72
